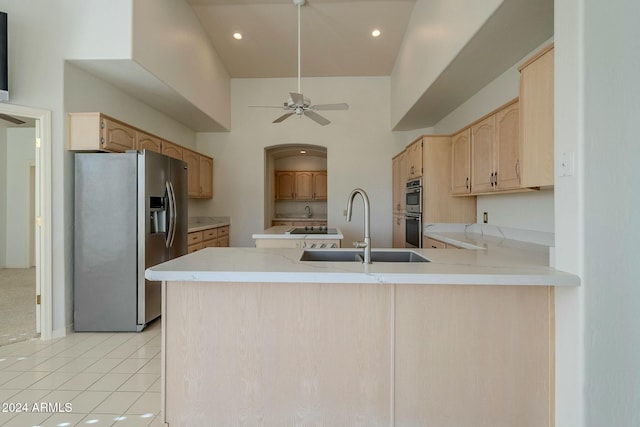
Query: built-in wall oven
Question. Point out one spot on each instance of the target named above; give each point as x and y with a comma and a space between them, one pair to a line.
413, 215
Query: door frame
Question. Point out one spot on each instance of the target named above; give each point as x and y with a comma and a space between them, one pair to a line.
43, 211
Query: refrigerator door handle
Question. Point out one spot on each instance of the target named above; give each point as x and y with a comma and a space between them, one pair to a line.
170, 209
173, 215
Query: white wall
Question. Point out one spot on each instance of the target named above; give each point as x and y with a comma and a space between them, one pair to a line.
436, 33
3, 194
169, 41
20, 157
85, 92
359, 150
612, 212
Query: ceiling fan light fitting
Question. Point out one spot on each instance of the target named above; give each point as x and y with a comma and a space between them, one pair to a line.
299, 2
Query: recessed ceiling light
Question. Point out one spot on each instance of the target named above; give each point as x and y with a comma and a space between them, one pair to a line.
237, 36
375, 33
303, 152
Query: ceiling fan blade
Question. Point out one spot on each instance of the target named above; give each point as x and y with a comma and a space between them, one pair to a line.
283, 117
316, 117
326, 107
297, 98
267, 106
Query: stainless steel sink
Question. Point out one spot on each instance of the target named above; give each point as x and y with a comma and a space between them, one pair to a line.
354, 255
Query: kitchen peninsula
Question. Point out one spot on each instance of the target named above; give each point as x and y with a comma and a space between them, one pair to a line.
255, 335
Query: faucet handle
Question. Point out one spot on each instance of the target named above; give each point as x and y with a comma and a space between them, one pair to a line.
360, 245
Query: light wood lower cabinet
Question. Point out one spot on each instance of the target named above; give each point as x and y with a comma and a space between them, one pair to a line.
209, 238
356, 354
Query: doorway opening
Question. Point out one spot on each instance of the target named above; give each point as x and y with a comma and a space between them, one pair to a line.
25, 223
296, 190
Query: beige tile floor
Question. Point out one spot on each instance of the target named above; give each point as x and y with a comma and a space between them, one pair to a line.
93, 379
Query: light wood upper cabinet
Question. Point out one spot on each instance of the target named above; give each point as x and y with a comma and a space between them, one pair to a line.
200, 174
536, 119
193, 172
482, 146
172, 150
460, 163
144, 141
507, 152
285, 182
117, 136
98, 132
206, 176
301, 185
438, 204
495, 151
398, 166
320, 185
414, 160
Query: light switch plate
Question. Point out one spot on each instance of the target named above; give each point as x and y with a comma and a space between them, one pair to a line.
567, 163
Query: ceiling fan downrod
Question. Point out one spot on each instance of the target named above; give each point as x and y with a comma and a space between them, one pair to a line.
299, 3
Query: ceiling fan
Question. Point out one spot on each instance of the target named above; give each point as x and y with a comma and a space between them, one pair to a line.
297, 103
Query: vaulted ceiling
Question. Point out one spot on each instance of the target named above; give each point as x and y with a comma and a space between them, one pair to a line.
336, 36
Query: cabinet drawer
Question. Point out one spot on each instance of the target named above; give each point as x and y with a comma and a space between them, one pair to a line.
223, 242
209, 234
223, 231
211, 243
194, 247
195, 237
434, 244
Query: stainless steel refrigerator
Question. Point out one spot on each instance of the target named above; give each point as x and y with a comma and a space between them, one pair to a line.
130, 214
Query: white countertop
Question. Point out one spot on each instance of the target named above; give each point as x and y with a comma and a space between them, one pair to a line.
200, 223
501, 262
280, 232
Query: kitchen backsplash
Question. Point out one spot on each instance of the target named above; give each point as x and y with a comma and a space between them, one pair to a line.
293, 209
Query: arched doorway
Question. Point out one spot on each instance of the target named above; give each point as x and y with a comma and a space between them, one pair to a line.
293, 158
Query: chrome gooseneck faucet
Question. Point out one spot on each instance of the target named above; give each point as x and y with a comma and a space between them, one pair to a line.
367, 226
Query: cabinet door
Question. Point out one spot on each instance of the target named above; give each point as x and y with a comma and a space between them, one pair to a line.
507, 154
206, 176
396, 179
285, 185
461, 166
415, 160
398, 231
116, 136
193, 172
482, 143
537, 123
223, 242
147, 142
172, 150
319, 186
303, 186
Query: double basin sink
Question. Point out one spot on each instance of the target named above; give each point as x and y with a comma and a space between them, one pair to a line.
354, 255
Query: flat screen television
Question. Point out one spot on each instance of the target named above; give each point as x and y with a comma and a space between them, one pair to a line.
4, 59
